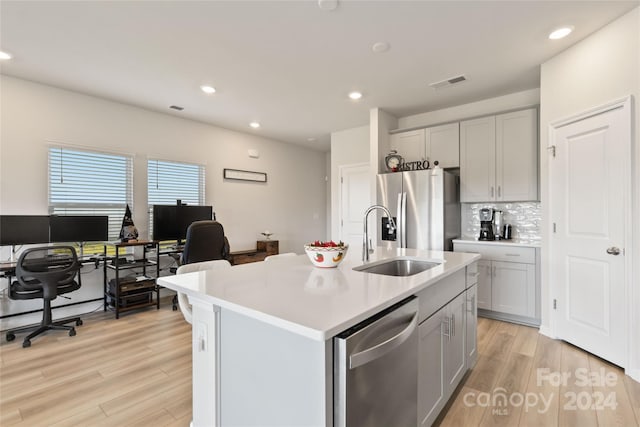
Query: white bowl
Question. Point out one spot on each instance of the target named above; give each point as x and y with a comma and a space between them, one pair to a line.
326, 257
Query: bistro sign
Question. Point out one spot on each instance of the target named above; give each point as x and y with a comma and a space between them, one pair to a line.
413, 166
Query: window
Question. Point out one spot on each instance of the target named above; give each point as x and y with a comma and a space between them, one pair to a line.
90, 183
170, 181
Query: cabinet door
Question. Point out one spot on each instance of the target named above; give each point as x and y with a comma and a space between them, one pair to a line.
442, 143
484, 284
431, 385
477, 159
517, 156
513, 288
472, 327
455, 355
410, 145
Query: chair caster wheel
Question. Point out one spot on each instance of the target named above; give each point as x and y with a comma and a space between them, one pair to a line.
79, 322
26, 343
175, 308
72, 332
10, 337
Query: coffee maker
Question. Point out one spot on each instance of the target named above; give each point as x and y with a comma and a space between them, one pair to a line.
486, 224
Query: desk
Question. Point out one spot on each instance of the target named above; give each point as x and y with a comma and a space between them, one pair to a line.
8, 271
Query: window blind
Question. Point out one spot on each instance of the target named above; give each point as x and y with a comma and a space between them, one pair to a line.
90, 183
170, 181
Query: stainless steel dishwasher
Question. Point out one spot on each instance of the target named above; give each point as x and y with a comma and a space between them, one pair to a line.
376, 370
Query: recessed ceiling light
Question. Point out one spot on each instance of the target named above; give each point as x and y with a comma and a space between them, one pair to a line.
560, 33
254, 125
4, 55
380, 47
327, 4
208, 89
355, 95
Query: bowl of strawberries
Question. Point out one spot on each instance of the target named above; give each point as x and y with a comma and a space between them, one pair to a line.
326, 254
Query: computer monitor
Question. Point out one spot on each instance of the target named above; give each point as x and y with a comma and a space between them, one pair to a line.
23, 229
170, 222
79, 228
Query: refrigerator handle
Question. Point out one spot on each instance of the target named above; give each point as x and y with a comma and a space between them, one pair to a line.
404, 220
399, 221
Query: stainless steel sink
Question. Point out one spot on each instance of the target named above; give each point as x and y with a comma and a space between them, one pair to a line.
398, 267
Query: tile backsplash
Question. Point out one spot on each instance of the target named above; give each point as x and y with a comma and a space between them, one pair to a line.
524, 217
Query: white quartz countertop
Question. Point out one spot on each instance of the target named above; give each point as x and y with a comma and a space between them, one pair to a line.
512, 242
317, 303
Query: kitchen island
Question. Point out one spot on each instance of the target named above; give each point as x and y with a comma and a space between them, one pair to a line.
262, 332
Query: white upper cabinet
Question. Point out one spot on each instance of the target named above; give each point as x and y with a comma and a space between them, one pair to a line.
517, 156
499, 158
478, 159
442, 143
410, 145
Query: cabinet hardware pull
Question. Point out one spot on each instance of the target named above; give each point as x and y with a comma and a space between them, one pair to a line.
491, 191
499, 191
453, 324
512, 254
446, 324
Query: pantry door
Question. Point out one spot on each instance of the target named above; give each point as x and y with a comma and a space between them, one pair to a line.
590, 195
354, 200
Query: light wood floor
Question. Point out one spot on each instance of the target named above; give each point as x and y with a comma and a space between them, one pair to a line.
512, 361
136, 371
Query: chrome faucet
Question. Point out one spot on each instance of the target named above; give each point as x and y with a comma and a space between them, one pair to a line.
366, 249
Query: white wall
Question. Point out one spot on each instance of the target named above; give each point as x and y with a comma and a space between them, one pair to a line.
518, 100
348, 147
599, 69
292, 204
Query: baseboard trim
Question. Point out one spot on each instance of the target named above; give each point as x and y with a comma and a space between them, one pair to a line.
633, 373
546, 331
512, 318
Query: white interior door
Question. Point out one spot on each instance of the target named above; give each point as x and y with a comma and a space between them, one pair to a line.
589, 191
354, 200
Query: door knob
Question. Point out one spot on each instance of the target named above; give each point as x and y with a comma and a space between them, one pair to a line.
613, 251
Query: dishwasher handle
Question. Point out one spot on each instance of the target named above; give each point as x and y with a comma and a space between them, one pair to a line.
379, 350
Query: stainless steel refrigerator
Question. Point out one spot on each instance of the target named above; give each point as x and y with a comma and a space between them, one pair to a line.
425, 205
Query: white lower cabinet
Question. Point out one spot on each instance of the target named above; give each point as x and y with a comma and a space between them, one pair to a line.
431, 384
513, 288
484, 284
508, 281
442, 358
471, 335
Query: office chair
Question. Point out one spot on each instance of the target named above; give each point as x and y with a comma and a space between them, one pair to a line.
205, 242
45, 272
183, 302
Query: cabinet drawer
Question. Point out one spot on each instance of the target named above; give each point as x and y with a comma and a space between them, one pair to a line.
439, 294
499, 252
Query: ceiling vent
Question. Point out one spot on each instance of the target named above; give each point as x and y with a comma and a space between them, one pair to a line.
176, 107
448, 82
